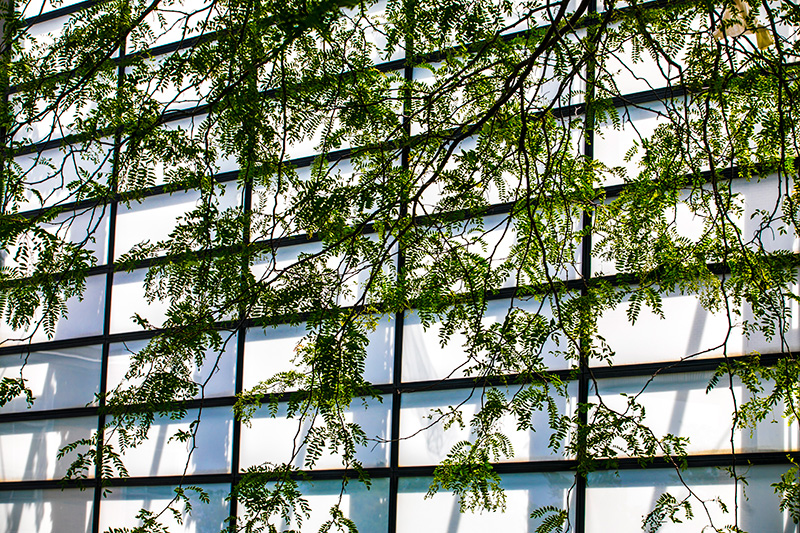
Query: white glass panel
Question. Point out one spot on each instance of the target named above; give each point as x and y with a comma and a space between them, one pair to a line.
758, 198
84, 318
46, 511
368, 508
86, 228
157, 216
161, 85
50, 120
687, 330
128, 298
28, 449
367, 29
524, 494
160, 456
679, 404
625, 73
426, 442
44, 34
217, 375
424, 358
273, 350
280, 439
119, 509
611, 144
52, 377
618, 501
50, 172
175, 21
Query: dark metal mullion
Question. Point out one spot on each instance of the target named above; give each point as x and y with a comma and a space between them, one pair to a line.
247, 207
586, 274
399, 318
112, 230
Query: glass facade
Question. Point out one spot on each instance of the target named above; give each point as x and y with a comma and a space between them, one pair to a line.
90, 351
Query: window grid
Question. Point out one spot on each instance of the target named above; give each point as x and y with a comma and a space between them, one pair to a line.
395, 390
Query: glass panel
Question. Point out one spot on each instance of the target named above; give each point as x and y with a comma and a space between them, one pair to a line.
424, 358
524, 494
160, 84
50, 172
156, 217
618, 501
273, 350
611, 144
176, 21
368, 508
53, 375
46, 511
679, 404
426, 442
687, 329
160, 455
217, 376
280, 439
86, 228
127, 298
28, 449
84, 318
119, 508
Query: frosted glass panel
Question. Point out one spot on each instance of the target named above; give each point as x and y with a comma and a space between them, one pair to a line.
84, 318
127, 299
687, 330
426, 442
51, 171
68, 377
46, 511
524, 494
28, 449
617, 501
160, 456
217, 375
280, 439
368, 508
679, 404
86, 228
273, 350
611, 145
119, 509
157, 216
424, 358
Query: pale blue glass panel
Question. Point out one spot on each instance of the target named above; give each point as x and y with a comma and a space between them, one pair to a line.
216, 376
160, 455
46, 511
28, 449
119, 508
50, 172
425, 441
280, 439
618, 501
53, 377
84, 318
156, 217
524, 494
